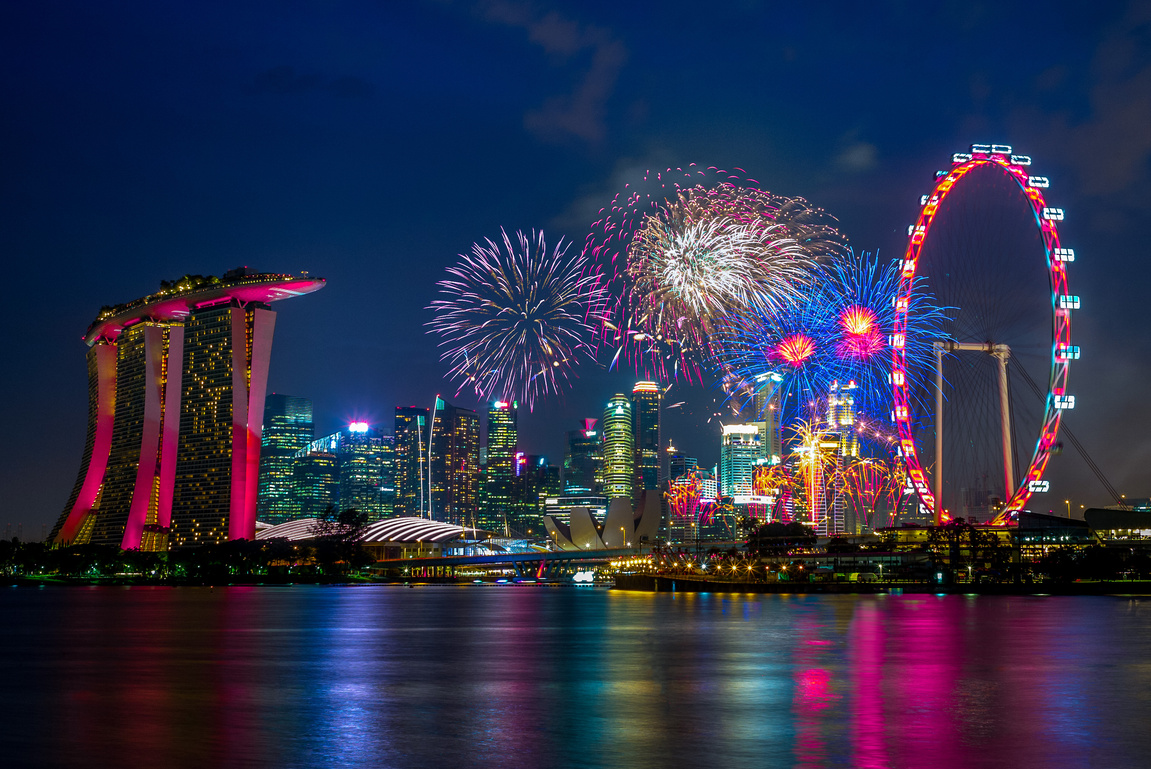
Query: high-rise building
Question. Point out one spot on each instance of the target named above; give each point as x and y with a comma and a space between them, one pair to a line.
535, 481
498, 513
361, 456
618, 448
583, 460
316, 479
646, 398
288, 427
840, 432
176, 384
455, 464
739, 452
411, 465
765, 416
680, 465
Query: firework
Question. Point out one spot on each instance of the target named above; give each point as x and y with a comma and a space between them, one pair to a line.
838, 333
688, 246
514, 317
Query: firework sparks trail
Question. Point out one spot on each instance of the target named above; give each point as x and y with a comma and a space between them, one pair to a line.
514, 317
687, 246
839, 332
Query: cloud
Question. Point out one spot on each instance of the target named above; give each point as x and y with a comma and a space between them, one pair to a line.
285, 80
1110, 149
580, 114
858, 157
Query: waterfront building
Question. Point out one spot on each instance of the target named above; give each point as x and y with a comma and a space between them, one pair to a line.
498, 513
560, 506
411, 452
583, 459
176, 385
288, 427
618, 448
646, 399
455, 463
536, 480
739, 452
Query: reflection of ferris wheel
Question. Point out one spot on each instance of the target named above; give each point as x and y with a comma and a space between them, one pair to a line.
999, 268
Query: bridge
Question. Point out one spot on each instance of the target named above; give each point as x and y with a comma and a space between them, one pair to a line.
534, 565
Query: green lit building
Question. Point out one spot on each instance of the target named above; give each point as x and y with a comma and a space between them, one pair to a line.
618, 448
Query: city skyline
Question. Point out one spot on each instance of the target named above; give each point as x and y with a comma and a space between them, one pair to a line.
302, 162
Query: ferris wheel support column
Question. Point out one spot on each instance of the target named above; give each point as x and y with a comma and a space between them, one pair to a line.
1002, 352
937, 479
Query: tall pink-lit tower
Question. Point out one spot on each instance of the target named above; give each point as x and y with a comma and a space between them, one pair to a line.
176, 384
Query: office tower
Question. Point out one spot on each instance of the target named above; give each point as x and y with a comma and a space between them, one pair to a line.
765, 416
411, 433
455, 464
840, 433
316, 477
646, 398
618, 448
387, 475
583, 460
681, 464
499, 481
288, 427
176, 385
535, 481
361, 452
739, 452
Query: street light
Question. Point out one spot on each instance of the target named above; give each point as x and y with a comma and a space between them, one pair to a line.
1068, 501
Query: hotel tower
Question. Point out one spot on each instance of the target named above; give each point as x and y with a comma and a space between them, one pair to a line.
176, 384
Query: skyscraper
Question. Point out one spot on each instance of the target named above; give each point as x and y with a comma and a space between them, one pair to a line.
618, 448
646, 398
583, 460
361, 453
176, 385
765, 416
499, 479
411, 461
739, 452
288, 427
455, 464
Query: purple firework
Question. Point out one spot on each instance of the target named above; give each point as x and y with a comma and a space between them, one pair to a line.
514, 317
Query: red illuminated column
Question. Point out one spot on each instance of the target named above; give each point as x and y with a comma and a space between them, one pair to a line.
101, 439
148, 464
263, 324
249, 381
171, 432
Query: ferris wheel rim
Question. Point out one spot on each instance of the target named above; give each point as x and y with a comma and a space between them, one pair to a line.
1062, 302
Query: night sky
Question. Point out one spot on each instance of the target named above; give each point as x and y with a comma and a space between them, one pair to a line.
370, 143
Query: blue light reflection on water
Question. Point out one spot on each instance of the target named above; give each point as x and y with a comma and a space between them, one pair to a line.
518, 676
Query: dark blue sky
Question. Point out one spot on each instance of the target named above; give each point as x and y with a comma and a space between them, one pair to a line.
372, 142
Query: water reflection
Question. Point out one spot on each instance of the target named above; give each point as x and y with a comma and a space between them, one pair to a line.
517, 676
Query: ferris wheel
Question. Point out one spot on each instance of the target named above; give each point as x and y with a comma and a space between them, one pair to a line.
987, 244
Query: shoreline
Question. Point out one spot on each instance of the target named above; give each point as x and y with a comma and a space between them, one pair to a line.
660, 583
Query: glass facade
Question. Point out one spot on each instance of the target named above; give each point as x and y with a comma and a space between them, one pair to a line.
646, 398
583, 460
288, 427
618, 448
411, 452
455, 464
497, 513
